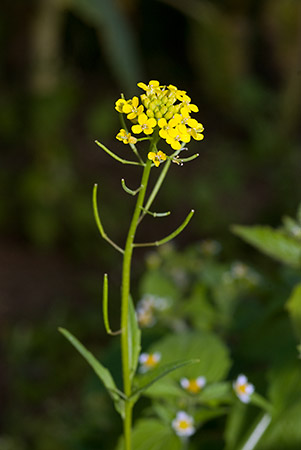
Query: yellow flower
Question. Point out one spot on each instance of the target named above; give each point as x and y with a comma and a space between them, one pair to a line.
176, 137
132, 109
157, 158
193, 386
152, 87
177, 92
148, 361
125, 137
190, 106
195, 129
144, 124
166, 126
121, 102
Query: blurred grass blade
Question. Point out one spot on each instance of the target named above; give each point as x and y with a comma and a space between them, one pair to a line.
116, 36
257, 432
102, 372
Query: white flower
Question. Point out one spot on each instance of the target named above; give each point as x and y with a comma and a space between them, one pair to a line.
193, 385
183, 424
243, 389
149, 361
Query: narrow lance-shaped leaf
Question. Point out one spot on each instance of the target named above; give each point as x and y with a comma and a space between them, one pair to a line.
144, 381
134, 338
272, 242
102, 372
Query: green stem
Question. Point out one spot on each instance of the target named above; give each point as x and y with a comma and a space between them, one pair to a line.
156, 188
125, 292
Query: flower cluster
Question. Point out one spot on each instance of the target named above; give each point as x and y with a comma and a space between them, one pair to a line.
165, 109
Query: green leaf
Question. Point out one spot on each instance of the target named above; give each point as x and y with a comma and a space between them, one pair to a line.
272, 242
204, 414
294, 308
134, 339
216, 392
213, 356
146, 380
153, 435
102, 372
154, 282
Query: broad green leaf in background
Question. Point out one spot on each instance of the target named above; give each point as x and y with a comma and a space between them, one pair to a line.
134, 339
144, 381
153, 435
213, 356
294, 308
272, 242
117, 36
155, 282
102, 372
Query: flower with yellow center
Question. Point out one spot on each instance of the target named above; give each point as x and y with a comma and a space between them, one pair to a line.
183, 424
190, 106
243, 389
193, 385
148, 361
151, 88
166, 126
176, 137
132, 109
195, 129
144, 125
126, 137
184, 117
177, 92
121, 102
157, 158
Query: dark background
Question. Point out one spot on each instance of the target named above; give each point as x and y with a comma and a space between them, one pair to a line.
63, 64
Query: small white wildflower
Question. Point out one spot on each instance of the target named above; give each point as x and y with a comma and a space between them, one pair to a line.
193, 385
148, 361
183, 424
243, 389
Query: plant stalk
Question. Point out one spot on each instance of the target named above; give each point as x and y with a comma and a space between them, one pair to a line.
125, 293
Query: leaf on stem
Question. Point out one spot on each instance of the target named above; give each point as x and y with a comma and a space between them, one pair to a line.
134, 336
102, 372
144, 381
